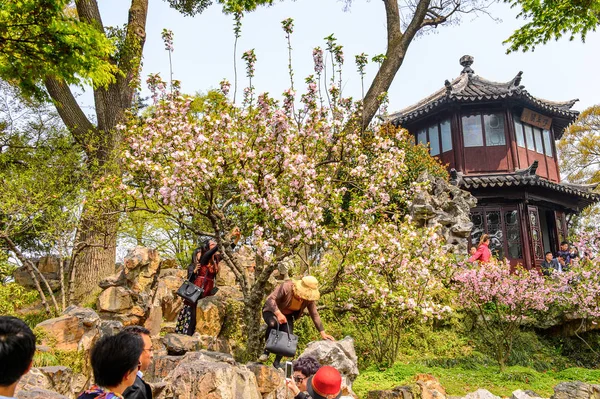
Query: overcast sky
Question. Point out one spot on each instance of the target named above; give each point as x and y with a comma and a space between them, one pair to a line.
204, 50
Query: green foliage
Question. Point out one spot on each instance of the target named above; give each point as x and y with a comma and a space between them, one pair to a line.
40, 175
194, 7
13, 297
459, 381
43, 38
75, 360
551, 19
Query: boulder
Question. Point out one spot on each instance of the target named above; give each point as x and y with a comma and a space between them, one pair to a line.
115, 300
210, 314
166, 294
430, 387
179, 344
114, 280
404, 392
59, 379
339, 354
76, 329
109, 327
520, 394
161, 366
576, 390
23, 278
141, 265
39, 393
481, 394
196, 378
269, 379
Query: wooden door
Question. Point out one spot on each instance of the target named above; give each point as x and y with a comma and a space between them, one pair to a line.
535, 237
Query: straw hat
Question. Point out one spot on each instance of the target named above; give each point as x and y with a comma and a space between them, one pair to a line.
326, 383
307, 288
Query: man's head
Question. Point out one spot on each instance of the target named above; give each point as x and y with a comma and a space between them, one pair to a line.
561, 259
549, 256
115, 359
148, 352
17, 346
304, 368
564, 246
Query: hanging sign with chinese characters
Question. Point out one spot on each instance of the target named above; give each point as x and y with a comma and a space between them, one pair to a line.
535, 119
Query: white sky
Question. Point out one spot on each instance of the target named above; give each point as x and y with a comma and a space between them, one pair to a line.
204, 50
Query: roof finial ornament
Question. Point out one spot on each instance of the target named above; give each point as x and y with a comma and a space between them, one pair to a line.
517, 79
448, 87
466, 61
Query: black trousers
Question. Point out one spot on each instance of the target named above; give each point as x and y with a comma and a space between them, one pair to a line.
271, 320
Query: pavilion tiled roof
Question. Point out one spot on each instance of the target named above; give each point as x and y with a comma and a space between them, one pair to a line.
526, 178
471, 88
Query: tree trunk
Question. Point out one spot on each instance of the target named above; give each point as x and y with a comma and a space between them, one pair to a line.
98, 233
98, 236
253, 321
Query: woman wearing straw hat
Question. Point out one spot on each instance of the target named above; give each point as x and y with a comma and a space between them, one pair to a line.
287, 303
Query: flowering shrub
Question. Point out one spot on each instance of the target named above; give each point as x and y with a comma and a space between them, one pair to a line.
395, 275
502, 299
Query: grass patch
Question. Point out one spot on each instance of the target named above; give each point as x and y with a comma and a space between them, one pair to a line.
459, 381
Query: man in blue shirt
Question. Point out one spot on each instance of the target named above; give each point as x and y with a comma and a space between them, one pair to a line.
17, 346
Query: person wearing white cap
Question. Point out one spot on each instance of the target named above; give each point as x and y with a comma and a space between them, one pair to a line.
287, 303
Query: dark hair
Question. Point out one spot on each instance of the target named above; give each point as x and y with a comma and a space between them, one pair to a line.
17, 346
564, 243
113, 356
307, 365
136, 330
549, 252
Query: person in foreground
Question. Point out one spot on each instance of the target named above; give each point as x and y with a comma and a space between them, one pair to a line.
304, 368
115, 360
140, 389
325, 384
17, 346
286, 304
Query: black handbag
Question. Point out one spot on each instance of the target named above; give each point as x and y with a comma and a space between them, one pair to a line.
282, 343
190, 292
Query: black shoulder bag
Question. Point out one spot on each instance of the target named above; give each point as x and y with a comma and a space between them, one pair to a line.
190, 291
282, 343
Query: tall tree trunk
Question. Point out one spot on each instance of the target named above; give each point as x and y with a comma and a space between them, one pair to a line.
97, 258
97, 233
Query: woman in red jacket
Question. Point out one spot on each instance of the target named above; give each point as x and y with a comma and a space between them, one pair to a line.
483, 253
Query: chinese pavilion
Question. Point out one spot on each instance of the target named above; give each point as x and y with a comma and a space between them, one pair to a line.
498, 143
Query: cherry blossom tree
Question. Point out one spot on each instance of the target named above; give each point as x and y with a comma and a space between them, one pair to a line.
502, 299
396, 276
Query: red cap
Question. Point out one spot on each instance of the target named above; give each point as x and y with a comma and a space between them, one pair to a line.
326, 381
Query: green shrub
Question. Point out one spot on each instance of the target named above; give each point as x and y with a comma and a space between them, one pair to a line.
13, 297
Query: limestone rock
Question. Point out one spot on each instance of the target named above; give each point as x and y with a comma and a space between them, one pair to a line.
166, 295
445, 205
403, 392
430, 387
576, 390
39, 393
194, 378
179, 344
520, 394
268, 378
481, 394
115, 300
109, 327
210, 314
115, 280
59, 379
141, 265
339, 354
160, 367
76, 329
